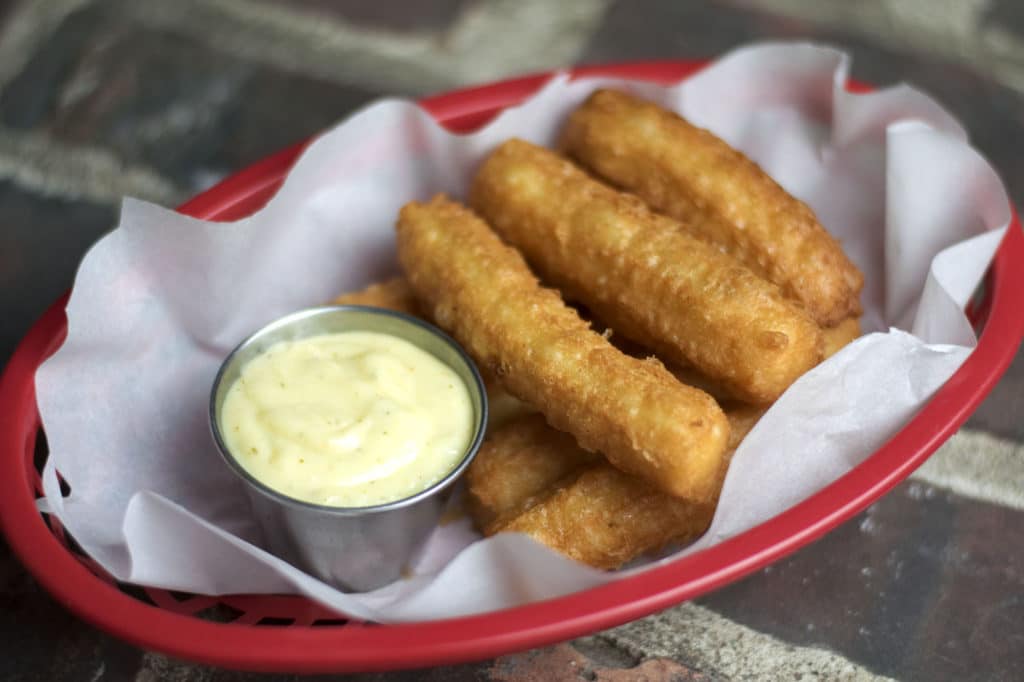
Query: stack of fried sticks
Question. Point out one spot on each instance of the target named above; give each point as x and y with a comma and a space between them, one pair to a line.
681, 291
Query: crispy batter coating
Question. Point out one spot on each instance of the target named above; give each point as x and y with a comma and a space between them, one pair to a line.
742, 418
393, 294
516, 466
502, 407
483, 293
641, 274
838, 336
694, 377
718, 194
835, 338
605, 518
532, 479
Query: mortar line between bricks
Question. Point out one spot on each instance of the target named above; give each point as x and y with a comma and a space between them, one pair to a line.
36, 162
338, 51
30, 26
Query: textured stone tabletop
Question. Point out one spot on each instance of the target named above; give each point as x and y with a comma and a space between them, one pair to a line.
99, 99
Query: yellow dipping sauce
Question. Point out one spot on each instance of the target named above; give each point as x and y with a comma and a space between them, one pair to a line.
352, 419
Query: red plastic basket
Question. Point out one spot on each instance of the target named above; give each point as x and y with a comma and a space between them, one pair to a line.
239, 632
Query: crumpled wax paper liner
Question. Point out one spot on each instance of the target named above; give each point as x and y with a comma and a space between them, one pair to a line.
160, 301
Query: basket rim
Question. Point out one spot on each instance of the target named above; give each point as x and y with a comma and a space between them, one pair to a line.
362, 647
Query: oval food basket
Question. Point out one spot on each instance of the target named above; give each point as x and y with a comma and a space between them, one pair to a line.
282, 633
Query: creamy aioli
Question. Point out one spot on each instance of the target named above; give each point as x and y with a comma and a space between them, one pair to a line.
352, 419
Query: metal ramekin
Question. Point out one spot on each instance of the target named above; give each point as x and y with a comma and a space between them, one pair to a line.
354, 548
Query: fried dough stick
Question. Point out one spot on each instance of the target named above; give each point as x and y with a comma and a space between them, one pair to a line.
718, 194
632, 411
838, 336
397, 294
517, 465
393, 294
605, 518
530, 478
835, 338
641, 274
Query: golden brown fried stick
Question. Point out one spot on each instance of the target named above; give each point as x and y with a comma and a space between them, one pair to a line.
502, 407
531, 479
516, 465
606, 518
718, 194
640, 273
396, 294
524, 460
838, 336
835, 338
742, 418
393, 294
633, 411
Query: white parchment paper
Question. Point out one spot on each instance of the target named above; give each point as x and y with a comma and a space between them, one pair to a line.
161, 300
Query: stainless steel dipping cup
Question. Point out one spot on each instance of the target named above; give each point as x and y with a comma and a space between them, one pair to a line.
354, 548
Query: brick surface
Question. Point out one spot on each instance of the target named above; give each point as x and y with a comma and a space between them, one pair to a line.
6, 10
157, 668
162, 100
399, 15
41, 243
1006, 15
26, 99
649, 29
560, 663
924, 585
563, 663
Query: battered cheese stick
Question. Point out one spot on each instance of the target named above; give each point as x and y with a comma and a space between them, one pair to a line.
697, 379
605, 518
742, 418
393, 294
838, 336
835, 338
594, 513
718, 194
645, 277
632, 411
525, 461
396, 294
516, 466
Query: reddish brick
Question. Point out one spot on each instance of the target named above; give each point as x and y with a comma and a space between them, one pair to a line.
563, 663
